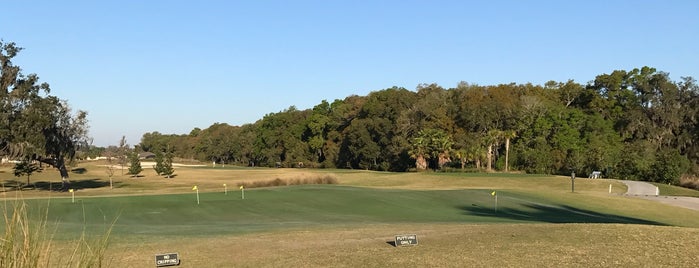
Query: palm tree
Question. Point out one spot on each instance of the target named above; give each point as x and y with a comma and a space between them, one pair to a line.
491, 139
419, 147
443, 143
508, 134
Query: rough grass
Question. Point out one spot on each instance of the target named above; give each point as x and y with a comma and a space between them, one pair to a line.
314, 179
24, 240
440, 245
28, 241
691, 182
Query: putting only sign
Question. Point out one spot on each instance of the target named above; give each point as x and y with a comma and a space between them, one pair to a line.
167, 259
406, 240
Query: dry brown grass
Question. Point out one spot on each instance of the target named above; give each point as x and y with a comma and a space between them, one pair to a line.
29, 243
207, 179
311, 179
440, 245
691, 182
212, 179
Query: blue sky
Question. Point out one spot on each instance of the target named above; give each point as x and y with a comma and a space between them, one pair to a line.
171, 66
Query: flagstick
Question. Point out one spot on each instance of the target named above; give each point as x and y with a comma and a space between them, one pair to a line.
73, 196
225, 189
496, 203
197, 195
242, 193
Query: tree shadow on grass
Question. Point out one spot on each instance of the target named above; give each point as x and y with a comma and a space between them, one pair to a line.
77, 185
79, 170
552, 214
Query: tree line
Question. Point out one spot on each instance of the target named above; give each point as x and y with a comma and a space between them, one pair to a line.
636, 124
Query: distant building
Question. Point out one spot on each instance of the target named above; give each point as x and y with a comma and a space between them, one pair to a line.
146, 155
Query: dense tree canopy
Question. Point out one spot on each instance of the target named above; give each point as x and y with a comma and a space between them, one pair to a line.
636, 124
35, 125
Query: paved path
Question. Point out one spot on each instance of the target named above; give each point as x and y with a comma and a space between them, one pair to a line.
640, 188
646, 190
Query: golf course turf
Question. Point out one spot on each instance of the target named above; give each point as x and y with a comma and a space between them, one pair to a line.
351, 224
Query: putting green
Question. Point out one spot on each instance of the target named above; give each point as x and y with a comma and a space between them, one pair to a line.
307, 206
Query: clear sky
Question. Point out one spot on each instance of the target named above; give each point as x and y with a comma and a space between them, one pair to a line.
170, 66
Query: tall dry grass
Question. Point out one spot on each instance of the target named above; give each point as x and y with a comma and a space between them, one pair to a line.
690, 181
24, 242
28, 243
315, 179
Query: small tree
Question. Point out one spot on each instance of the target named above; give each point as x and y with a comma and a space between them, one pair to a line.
25, 168
122, 153
167, 168
135, 164
110, 169
159, 163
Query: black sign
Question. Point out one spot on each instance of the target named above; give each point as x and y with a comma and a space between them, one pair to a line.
406, 240
169, 259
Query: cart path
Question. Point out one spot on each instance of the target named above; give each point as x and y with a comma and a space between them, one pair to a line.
640, 188
648, 191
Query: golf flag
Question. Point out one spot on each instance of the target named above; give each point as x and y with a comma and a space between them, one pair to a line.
496, 200
195, 188
241, 187
71, 190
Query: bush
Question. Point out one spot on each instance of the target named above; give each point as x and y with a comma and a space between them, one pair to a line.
668, 167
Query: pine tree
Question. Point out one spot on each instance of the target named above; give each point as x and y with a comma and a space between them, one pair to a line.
135, 167
167, 168
159, 163
26, 168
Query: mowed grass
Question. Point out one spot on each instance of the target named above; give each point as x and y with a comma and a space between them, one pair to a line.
306, 207
538, 222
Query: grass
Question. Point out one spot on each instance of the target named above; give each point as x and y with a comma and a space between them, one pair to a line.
539, 221
440, 245
672, 190
28, 242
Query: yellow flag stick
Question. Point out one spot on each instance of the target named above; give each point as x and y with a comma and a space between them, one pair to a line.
195, 188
